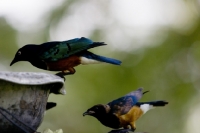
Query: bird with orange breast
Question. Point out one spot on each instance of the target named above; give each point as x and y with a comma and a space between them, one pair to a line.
123, 112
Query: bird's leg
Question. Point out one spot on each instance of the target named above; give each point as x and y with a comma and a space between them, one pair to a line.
133, 126
69, 71
60, 74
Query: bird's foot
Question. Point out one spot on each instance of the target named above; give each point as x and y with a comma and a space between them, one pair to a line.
61, 74
121, 131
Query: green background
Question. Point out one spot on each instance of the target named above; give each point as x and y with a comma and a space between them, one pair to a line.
168, 67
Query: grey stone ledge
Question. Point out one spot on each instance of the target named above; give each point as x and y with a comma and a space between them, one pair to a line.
33, 78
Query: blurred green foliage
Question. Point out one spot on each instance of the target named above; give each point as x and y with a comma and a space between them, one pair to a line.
170, 70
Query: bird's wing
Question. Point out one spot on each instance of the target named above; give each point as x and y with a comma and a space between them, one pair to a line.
122, 105
53, 51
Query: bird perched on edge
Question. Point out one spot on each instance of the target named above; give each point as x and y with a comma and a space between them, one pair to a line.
62, 55
123, 112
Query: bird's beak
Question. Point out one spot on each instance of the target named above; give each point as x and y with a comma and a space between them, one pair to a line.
88, 113
12, 62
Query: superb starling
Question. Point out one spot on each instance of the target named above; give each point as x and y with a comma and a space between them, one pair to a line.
123, 112
62, 55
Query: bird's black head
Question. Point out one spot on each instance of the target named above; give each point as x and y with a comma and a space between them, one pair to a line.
25, 53
97, 110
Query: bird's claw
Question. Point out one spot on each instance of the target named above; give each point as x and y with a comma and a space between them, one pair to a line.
60, 74
120, 131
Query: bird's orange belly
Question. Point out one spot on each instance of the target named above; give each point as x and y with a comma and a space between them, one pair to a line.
63, 64
130, 118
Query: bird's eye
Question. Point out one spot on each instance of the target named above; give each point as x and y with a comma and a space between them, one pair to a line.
19, 52
97, 108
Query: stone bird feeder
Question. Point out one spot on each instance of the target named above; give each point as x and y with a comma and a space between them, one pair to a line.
23, 99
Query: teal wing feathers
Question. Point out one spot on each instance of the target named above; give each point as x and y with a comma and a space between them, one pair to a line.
53, 51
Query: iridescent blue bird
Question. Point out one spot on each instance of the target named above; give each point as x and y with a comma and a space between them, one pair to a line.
123, 112
62, 55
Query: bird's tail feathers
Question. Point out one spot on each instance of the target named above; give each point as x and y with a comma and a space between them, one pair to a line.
109, 60
154, 103
145, 106
101, 58
145, 92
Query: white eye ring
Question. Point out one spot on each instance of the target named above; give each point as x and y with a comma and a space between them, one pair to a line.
19, 52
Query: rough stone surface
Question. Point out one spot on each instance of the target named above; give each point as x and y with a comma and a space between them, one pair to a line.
32, 78
25, 96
